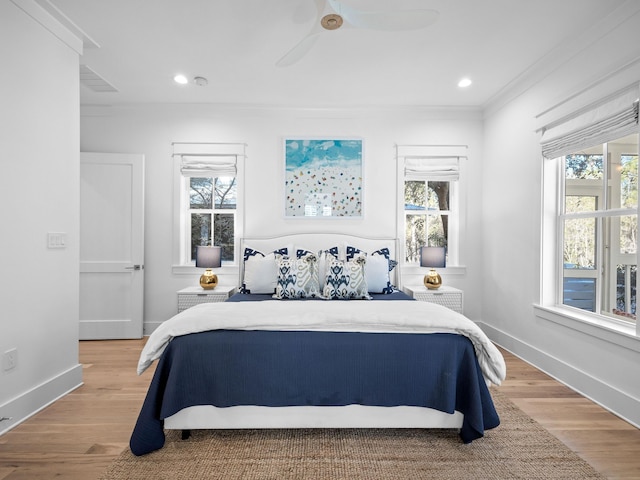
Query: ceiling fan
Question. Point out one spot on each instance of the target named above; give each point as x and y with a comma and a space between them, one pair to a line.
333, 15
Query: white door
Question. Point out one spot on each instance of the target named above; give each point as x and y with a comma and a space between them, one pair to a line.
111, 245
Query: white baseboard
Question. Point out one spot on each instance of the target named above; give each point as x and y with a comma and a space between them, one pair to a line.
31, 402
608, 397
149, 327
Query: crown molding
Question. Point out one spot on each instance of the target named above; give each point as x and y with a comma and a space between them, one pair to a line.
560, 56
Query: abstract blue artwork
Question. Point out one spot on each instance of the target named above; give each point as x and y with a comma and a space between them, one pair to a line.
323, 178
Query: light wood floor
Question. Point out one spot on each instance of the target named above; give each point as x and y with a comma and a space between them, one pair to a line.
79, 435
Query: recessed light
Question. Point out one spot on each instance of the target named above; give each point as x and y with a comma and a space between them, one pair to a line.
465, 82
181, 79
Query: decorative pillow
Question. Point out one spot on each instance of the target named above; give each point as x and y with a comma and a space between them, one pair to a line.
377, 274
261, 274
297, 277
377, 269
385, 251
303, 251
346, 279
322, 261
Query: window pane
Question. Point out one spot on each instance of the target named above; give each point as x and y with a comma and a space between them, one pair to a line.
226, 192
414, 195
437, 226
626, 292
200, 192
580, 243
628, 181
424, 230
200, 231
415, 227
438, 196
579, 292
223, 234
625, 308
579, 272
625, 261
580, 203
584, 166
628, 234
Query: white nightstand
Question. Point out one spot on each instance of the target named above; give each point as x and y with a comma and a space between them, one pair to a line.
449, 297
190, 296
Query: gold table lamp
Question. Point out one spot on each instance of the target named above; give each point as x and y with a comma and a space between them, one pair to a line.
208, 257
433, 257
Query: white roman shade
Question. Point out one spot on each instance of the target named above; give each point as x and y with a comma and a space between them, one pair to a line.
432, 162
208, 159
432, 168
595, 124
208, 165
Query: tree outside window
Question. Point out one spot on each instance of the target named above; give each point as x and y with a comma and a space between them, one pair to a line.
426, 208
212, 212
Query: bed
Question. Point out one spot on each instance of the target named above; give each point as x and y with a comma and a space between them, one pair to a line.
334, 347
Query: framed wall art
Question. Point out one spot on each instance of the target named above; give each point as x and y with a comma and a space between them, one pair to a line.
323, 177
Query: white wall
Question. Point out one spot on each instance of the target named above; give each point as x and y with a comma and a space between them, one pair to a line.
151, 129
39, 192
605, 370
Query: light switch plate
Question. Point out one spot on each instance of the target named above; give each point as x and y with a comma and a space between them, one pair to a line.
56, 240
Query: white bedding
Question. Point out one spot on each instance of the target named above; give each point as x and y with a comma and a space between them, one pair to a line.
398, 316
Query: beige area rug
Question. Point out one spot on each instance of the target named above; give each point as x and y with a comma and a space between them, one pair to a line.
518, 449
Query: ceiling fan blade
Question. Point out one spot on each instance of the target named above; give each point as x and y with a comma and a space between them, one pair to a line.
392, 20
300, 50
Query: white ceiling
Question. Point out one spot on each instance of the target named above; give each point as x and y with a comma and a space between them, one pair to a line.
236, 43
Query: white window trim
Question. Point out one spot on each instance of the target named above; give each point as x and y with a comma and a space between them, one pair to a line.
180, 149
404, 152
550, 291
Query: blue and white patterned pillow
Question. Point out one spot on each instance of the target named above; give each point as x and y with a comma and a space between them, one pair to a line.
322, 261
377, 270
303, 251
346, 279
257, 265
297, 277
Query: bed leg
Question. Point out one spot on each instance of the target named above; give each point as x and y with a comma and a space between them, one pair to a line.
186, 434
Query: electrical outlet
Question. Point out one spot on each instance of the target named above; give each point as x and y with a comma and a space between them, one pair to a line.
10, 359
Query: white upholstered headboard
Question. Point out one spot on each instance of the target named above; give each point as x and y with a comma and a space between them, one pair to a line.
318, 241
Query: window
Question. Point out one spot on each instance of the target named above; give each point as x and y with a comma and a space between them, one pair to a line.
599, 223
212, 212
207, 199
426, 210
592, 167
430, 199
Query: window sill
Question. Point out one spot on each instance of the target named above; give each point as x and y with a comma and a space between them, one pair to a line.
192, 270
411, 269
611, 331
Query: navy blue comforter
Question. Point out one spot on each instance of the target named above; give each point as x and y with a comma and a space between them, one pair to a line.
229, 367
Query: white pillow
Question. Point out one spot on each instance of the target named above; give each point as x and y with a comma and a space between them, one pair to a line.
376, 272
377, 268
261, 274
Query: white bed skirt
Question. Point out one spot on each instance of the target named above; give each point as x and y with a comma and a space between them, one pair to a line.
350, 416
